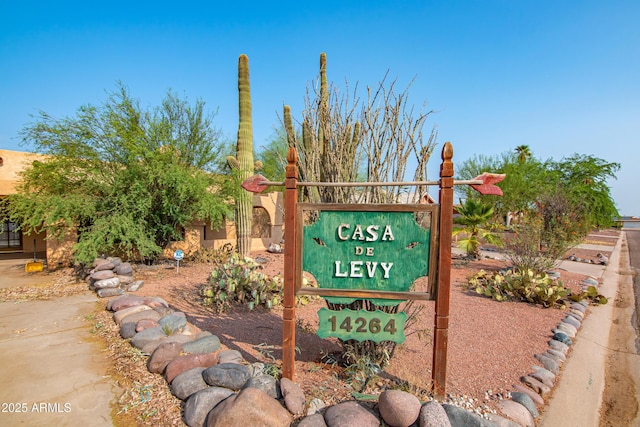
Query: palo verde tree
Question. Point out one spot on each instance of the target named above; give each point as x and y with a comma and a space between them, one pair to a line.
273, 156
523, 183
556, 203
126, 180
584, 179
580, 179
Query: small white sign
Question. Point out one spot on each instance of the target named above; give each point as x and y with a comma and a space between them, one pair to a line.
178, 255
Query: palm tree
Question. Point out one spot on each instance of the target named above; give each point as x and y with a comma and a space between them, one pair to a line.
473, 215
524, 152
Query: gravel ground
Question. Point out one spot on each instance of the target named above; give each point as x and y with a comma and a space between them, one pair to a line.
491, 344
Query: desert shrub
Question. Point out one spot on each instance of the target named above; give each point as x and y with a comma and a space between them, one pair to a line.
535, 288
239, 281
591, 294
278, 281
522, 249
364, 365
532, 246
213, 255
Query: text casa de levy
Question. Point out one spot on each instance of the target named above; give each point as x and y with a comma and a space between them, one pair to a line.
366, 234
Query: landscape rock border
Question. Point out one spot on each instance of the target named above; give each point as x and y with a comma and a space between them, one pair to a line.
111, 277
203, 375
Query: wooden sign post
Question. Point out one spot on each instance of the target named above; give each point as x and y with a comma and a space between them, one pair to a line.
368, 251
443, 290
290, 265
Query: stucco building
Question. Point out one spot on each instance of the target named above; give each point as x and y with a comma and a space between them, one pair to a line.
267, 226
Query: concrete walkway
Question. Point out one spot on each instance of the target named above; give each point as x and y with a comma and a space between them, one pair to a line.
578, 396
52, 372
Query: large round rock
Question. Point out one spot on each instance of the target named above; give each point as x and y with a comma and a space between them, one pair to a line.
398, 408
124, 269
250, 407
350, 414
200, 403
227, 375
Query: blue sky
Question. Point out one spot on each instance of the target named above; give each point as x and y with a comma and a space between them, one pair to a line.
562, 77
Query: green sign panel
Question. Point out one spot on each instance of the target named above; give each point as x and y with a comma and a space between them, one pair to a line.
362, 325
383, 251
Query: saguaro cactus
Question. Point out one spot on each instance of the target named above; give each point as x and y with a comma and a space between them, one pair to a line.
288, 126
324, 142
243, 161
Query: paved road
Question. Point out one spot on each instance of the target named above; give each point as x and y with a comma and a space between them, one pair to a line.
620, 401
633, 239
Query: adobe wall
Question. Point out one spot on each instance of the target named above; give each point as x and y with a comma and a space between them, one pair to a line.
200, 235
11, 164
59, 253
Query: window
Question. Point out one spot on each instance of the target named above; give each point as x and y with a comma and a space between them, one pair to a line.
261, 226
10, 238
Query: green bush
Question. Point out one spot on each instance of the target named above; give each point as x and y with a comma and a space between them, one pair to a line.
239, 281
